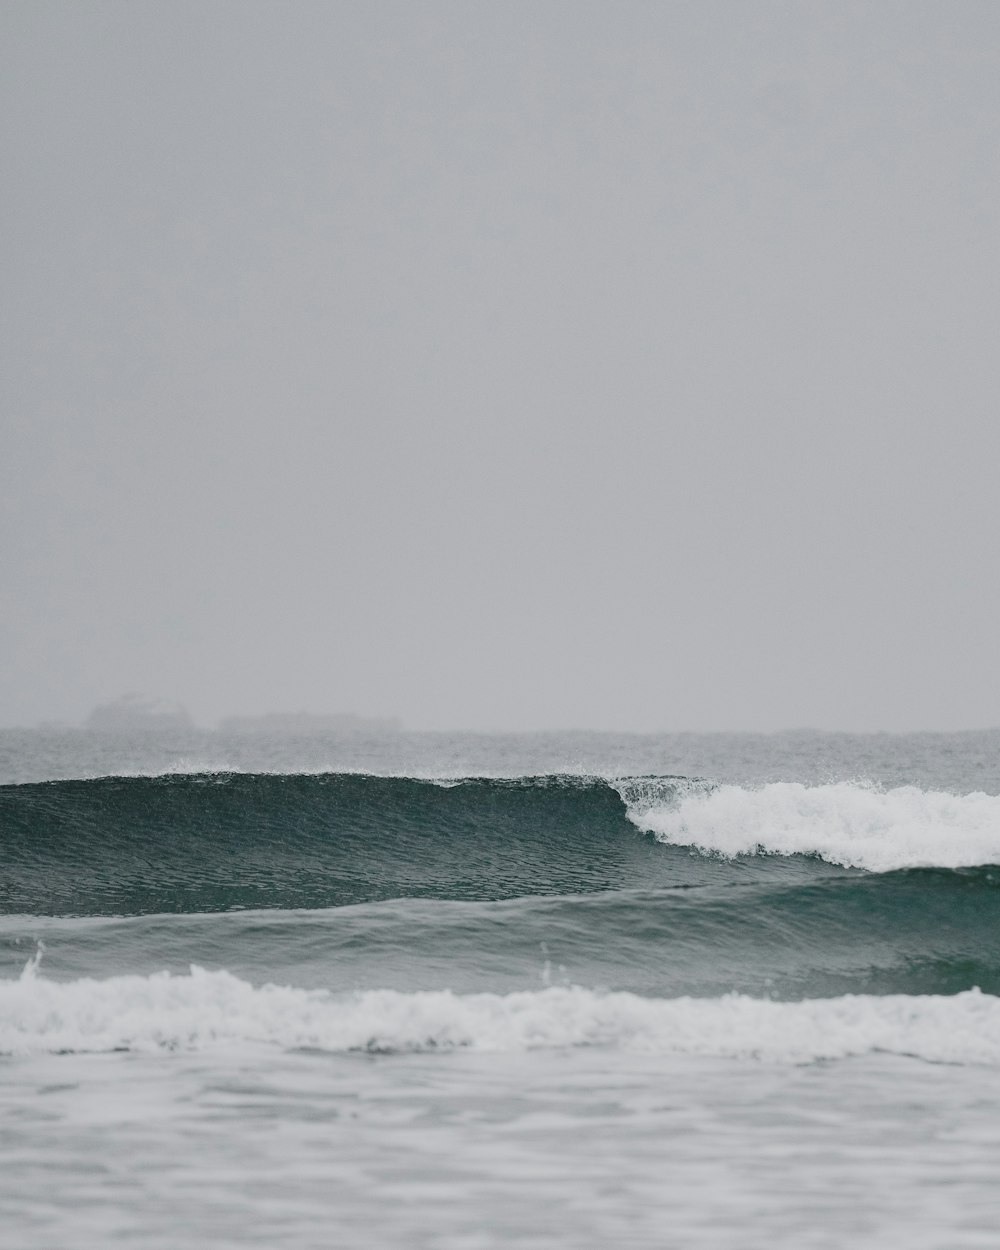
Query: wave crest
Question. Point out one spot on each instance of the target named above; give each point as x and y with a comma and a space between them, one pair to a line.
845, 823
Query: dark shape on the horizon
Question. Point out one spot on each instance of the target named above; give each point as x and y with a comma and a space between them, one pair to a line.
138, 713
309, 723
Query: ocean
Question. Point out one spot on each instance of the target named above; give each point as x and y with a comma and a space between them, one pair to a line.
462, 991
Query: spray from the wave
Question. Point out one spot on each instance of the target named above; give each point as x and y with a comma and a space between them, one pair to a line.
858, 826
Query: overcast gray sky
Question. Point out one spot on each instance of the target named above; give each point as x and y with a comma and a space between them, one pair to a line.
502, 365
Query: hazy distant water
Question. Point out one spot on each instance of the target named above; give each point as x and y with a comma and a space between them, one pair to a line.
462, 991
954, 761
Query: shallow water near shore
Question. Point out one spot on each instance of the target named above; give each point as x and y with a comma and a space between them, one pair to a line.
576, 1147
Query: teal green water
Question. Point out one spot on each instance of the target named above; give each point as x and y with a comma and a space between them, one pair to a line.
480, 884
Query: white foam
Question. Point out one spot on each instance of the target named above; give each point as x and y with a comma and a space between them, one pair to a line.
846, 823
208, 1009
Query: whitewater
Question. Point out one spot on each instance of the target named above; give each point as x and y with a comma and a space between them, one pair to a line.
859, 826
547, 990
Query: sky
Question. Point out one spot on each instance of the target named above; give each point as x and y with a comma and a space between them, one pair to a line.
624, 366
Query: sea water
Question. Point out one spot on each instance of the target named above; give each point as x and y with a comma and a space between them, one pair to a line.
462, 991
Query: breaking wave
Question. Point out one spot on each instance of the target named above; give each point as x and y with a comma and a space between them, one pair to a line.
845, 823
208, 842
207, 1009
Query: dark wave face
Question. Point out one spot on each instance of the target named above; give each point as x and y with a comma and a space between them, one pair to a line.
129, 845
494, 885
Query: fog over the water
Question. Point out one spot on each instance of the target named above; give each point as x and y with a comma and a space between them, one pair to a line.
508, 365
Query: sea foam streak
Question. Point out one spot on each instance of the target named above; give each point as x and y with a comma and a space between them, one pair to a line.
204, 1009
854, 825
